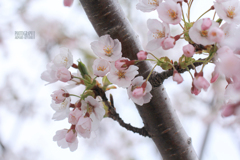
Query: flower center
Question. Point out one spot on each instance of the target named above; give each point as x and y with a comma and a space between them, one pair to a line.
153, 2
172, 14
121, 74
231, 12
63, 105
108, 51
213, 34
159, 34
89, 108
101, 68
204, 33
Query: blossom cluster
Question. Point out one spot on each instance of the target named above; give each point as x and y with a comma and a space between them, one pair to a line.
219, 38
85, 114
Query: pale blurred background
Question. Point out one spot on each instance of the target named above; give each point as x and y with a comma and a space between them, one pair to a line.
26, 128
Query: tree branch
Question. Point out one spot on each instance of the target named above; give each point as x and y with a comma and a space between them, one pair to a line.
159, 117
115, 116
156, 79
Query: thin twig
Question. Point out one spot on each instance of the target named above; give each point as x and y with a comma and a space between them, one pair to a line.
157, 79
115, 116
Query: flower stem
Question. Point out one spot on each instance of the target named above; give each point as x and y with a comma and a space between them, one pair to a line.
151, 72
74, 95
204, 13
190, 73
154, 56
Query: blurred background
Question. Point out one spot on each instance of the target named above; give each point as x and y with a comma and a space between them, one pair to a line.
26, 128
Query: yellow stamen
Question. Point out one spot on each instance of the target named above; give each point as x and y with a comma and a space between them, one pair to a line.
214, 34
231, 12
108, 51
204, 33
153, 2
101, 68
172, 14
121, 74
159, 34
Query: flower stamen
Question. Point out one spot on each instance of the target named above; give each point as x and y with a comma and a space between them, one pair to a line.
231, 12
172, 14
153, 2
204, 33
121, 74
108, 51
159, 34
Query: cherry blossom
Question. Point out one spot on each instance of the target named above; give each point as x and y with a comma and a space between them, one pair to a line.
158, 31
91, 107
120, 64
206, 23
83, 127
228, 11
200, 36
170, 12
215, 34
177, 77
215, 75
188, 50
194, 90
231, 109
60, 137
231, 38
107, 48
142, 55
61, 110
148, 5
63, 74
229, 63
122, 78
63, 59
58, 97
139, 91
50, 74
100, 67
74, 116
168, 43
201, 83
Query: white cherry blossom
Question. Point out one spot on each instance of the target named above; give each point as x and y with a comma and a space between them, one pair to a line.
170, 12
148, 5
61, 110
158, 31
228, 11
100, 67
107, 48
122, 78
138, 94
200, 36
60, 137
63, 59
92, 107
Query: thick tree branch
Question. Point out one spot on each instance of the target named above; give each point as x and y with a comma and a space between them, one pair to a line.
159, 117
115, 116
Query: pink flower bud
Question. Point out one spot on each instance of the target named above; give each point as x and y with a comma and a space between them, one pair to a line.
188, 50
74, 116
71, 136
142, 55
194, 90
67, 3
206, 23
168, 43
215, 34
201, 83
63, 74
138, 92
121, 63
57, 96
177, 77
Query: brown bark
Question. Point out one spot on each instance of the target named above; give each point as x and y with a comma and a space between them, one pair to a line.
159, 117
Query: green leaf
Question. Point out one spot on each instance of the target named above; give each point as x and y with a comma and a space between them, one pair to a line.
164, 63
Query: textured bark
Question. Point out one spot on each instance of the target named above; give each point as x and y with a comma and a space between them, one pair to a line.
159, 117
